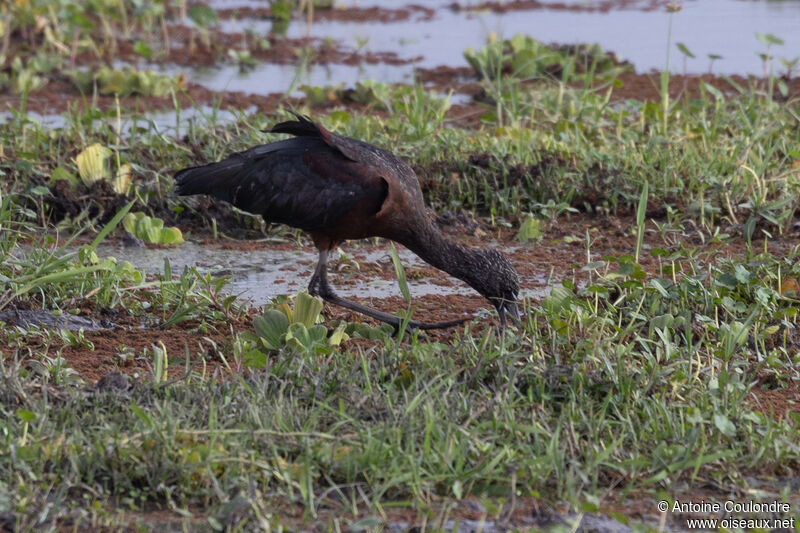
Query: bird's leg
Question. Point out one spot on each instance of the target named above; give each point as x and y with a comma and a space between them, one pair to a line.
318, 286
322, 265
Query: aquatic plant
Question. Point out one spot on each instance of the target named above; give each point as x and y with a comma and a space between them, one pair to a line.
526, 58
296, 328
94, 164
151, 229
127, 81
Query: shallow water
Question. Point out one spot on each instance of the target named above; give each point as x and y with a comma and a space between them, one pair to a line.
722, 27
161, 122
260, 275
267, 78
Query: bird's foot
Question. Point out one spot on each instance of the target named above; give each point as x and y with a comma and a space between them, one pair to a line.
313, 287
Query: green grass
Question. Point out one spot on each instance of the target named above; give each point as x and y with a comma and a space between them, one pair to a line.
614, 381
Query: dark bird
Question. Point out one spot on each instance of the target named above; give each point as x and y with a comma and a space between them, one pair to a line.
337, 188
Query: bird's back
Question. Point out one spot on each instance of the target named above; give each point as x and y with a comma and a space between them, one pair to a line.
302, 182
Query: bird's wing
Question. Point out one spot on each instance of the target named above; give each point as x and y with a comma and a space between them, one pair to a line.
302, 182
394, 170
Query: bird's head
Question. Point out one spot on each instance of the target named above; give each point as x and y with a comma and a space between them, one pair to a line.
499, 283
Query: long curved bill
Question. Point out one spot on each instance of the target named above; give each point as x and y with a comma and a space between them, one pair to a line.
513, 313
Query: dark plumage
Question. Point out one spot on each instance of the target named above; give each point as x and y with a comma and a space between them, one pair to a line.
337, 188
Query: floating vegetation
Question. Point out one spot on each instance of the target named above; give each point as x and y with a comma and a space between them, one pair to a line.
127, 81
526, 58
297, 327
151, 229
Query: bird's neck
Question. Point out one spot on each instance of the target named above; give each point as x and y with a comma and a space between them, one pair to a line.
434, 248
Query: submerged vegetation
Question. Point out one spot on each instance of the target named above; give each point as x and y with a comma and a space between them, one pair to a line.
668, 363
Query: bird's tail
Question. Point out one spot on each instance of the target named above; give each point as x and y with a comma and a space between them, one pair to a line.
302, 127
214, 179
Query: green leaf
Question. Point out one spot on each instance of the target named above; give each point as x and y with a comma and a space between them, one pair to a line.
254, 359
60, 173
369, 523
783, 88
338, 335
769, 39
271, 327
401, 275
112, 224
298, 336
142, 224
364, 331
171, 236
684, 50
530, 230
26, 416
727, 280
317, 334
656, 284
129, 223
306, 309
641, 210
66, 275
558, 300
339, 117
93, 163
281, 10
741, 274
141, 415
202, 15
458, 489
662, 321
714, 91
152, 234
724, 425
143, 49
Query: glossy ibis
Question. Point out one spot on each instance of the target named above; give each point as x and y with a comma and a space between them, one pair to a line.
337, 188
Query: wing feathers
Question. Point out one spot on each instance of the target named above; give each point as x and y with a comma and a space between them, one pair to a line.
304, 127
302, 182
